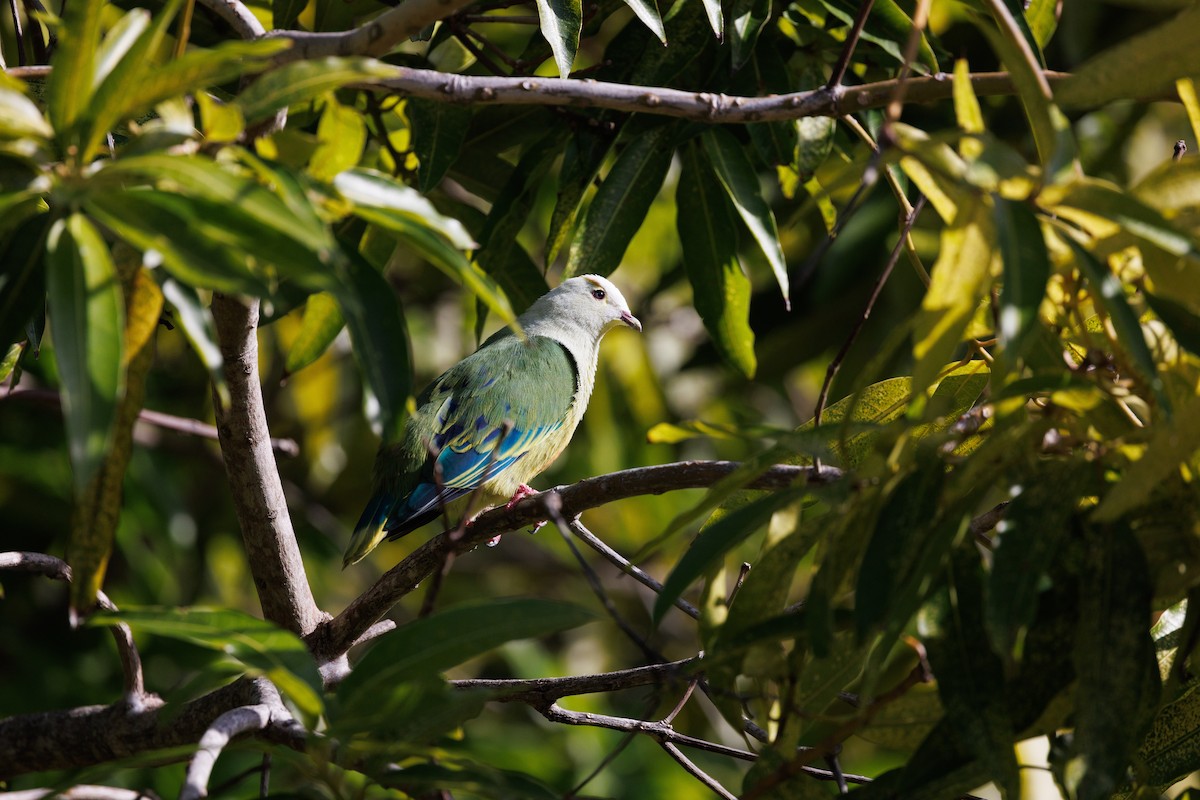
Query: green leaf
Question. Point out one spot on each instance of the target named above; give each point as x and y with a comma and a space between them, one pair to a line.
1183, 322
9, 362
119, 40
1145, 65
970, 678
708, 233
1171, 187
323, 321
380, 198
1115, 662
959, 280
712, 10
620, 205
561, 21
285, 13
380, 339
1035, 524
341, 136
1042, 19
438, 133
647, 12
1170, 445
86, 320
476, 779
260, 646
299, 81
706, 552
22, 276
196, 321
887, 26
892, 552
73, 65
740, 180
583, 157
20, 117
1104, 201
390, 720
431, 645
748, 18
1109, 292
1026, 270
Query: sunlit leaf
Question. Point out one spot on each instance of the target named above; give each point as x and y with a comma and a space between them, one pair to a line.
73, 75
341, 136
322, 323
647, 12
737, 175
372, 191
561, 21
620, 205
298, 81
708, 233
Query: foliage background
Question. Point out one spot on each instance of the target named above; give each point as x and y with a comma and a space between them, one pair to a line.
177, 541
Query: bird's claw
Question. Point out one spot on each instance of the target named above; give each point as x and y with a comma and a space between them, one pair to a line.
520, 494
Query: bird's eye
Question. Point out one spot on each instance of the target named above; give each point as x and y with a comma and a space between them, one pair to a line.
598, 294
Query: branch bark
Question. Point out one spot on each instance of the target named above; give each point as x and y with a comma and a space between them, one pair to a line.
90, 735
333, 638
224, 728
271, 549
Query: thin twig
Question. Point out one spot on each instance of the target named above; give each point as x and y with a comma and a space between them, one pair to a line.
554, 506
18, 32
159, 419
544, 691
131, 662
630, 569
903, 84
839, 68
690, 767
659, 731
836, 364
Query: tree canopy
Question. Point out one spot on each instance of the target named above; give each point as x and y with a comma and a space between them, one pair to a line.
898, 484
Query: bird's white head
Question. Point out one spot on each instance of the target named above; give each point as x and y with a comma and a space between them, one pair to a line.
589, 302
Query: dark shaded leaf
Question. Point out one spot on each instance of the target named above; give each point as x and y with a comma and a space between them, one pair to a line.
438, 133
1183, 322
1026, 270
477, 779
1114, 660
22, 276
747, 18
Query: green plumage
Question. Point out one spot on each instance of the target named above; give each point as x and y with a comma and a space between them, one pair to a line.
459, 426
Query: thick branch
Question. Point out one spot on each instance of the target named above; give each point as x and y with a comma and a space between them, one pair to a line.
99, 734
333, 638
701, 106
375, 38
262, 512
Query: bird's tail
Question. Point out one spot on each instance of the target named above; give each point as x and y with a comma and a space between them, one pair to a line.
369, 530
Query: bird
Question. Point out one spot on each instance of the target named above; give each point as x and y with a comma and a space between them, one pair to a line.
497, 418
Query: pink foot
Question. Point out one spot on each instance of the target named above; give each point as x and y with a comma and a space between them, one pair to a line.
520, 494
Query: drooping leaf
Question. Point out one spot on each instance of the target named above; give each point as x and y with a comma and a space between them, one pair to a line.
1042, 18
96, 514
341, 136
970, 677
716, 540
1026, 270
86, 320
322, 323
1144, 65
438, 133
959, 278
561, 21
620, 205
380, 338
298, 81
647, 12
712, 10
1114, 660
1035, 524
262, 647
1110, 293
196, 322
737, 175
708, 233
379, 198
431, 645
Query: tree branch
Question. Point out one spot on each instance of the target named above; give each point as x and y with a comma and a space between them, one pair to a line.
700, 106
271, 549
81, 792
542, 692
232, 723
131, 662
333, 638
90, 735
